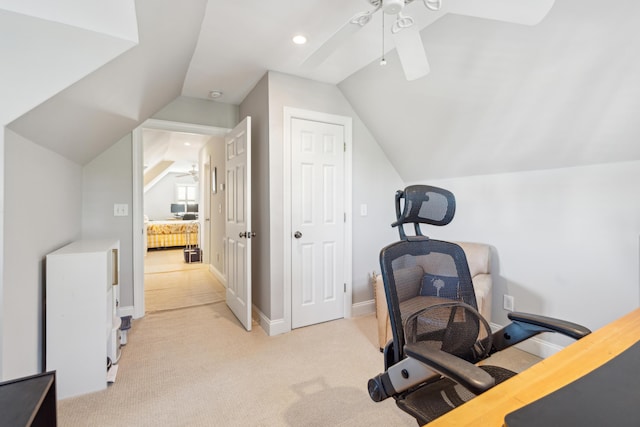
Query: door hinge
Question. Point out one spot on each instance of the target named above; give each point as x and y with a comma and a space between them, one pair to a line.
345, 287
344, 146
345, 217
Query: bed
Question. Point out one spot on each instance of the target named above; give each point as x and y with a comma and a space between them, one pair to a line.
168, 234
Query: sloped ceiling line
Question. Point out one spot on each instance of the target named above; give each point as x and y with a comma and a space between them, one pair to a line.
114, 18
45, 48
100, 109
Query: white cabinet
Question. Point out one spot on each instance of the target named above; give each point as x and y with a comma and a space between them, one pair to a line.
81, 316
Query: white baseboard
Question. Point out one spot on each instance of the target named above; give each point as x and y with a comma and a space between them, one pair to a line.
126, 311
362, 308
534, 345
277, 326
271, 327
218, 275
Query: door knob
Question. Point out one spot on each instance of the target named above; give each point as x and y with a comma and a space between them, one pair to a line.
297, 234
242, 234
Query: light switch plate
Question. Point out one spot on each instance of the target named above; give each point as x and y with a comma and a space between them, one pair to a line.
120, 209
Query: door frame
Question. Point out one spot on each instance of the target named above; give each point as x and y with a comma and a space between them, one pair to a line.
138, 196
297, 113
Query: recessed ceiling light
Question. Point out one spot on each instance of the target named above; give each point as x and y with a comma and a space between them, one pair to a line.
299, 39
215, 94
188, 144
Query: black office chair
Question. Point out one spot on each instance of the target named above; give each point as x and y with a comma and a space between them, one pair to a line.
438, 334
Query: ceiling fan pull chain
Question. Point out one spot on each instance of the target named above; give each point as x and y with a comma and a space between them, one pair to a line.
402, 22
383, 61
434, 5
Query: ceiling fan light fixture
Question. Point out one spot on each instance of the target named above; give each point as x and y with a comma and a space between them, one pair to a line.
434, 5
392, 7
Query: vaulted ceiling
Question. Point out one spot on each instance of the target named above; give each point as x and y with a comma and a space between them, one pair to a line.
500, 96
92, 114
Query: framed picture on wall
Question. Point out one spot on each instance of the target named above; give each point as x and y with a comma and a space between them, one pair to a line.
214, 180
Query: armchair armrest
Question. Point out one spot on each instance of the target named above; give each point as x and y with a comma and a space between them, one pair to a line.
462, 372
569, 329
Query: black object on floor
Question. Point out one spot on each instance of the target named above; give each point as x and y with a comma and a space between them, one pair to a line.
125, 323
192, 254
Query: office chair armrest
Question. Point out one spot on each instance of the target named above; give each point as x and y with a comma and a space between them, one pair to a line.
459, 370
569, 329
524, 326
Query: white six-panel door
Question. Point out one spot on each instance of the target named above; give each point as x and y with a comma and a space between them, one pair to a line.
238, 221
318, 222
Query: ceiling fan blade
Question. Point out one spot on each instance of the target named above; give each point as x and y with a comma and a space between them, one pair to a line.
411, 52
525, 12
352, 26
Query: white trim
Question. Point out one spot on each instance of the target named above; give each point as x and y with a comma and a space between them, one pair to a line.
534, 345
271, 327
278, 326
126, 311
289, 114
539, 347
138, 223
218, 275
138, 196
183, 127
363, 308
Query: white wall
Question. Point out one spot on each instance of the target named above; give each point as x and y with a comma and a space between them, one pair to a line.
107, 180
566, 240
2, 222
158, 199
256, 105
44, 56
42, 213
374, 182
199, 111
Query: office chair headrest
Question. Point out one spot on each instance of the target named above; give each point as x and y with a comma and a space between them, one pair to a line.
423, 204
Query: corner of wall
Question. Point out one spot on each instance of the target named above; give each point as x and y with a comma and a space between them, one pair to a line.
2, 133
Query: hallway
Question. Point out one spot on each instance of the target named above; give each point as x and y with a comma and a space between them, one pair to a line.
170, 283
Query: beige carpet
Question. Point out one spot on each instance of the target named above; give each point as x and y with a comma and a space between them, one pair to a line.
170, 283
199, 367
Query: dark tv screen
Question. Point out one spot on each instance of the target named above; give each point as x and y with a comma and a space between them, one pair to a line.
177, 208
192, 207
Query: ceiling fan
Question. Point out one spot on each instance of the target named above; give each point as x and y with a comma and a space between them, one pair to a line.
406, 35
193, 173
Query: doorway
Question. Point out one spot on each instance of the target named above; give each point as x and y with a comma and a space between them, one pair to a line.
140, 238
318, 202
